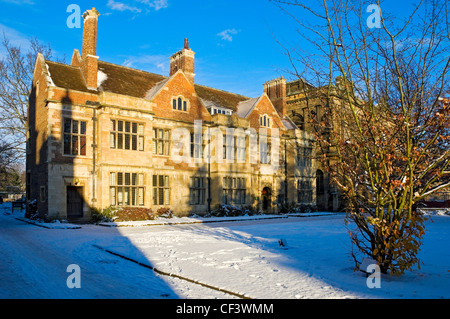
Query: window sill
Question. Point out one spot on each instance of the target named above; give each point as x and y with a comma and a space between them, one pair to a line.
122, 149
75, 156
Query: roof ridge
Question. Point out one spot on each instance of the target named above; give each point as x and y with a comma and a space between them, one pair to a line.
133, 69
244, 108
208, 87
60, 63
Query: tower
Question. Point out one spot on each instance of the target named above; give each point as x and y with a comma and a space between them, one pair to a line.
183, 60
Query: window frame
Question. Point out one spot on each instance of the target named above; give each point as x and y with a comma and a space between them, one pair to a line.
304, 191
180, 103
196, 141
197, 190
81, 148
164, 141
304, 156
234, 190
123, 134
160, 191
265, 120
265, 153
126, 189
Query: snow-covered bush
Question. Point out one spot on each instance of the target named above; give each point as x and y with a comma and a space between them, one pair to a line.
32, 211
394, 244
164, 212
122, 214
226, 210
294, 208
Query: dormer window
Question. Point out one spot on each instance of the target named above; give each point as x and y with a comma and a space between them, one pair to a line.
264, 120
217, 110
180, 104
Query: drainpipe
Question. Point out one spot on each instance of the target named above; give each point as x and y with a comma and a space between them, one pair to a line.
285, 173
95, 105
209, 172
94, 147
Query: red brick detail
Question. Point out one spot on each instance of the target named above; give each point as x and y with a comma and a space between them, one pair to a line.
265, 106
90, 32
89, 67
89, 64
178, 85
276, 91
183, 60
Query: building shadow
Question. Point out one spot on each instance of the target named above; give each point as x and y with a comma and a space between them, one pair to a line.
60, 186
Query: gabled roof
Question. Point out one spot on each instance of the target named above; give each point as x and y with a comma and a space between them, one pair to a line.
141, 84
132, 82
288, 123
67, 77
155, 89
244, 108
219, 97
127, 81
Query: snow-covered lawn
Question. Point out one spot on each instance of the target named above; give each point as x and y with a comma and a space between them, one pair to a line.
245, 257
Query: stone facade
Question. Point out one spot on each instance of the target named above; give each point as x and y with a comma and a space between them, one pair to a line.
305, 102
102, 134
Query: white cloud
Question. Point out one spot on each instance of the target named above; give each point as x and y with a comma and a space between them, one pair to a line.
156, 4
14, 37
19, 1
151, 63
119, 6
139, 5
226, 34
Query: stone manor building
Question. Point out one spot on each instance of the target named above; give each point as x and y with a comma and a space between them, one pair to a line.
102, 135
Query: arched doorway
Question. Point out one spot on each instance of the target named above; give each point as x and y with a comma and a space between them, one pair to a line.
321, 198
320, 186
266, 196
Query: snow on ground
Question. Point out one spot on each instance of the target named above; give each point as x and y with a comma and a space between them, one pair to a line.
242, 257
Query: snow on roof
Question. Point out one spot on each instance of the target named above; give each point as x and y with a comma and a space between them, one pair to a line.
245, 107
288, 123
49, 76
208, 103
132, 82
155, 89
101, 77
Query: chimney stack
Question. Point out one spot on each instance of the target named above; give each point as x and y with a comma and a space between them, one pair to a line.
183, 60
89, 64
276, 91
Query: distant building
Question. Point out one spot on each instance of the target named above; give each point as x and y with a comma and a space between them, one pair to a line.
305, 105
102, 134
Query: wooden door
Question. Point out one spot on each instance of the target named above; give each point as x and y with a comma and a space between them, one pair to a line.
74, 202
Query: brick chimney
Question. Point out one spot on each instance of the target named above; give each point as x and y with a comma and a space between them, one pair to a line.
89, 64
183, 60
276, 91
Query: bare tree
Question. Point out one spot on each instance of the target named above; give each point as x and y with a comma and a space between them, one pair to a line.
16, 74
389, 143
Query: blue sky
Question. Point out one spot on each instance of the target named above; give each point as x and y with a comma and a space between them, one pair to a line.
234, 40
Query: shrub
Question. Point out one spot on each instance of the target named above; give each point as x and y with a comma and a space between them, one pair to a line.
394, 244
134, 214
122, 214
293, 208
226, 210
32, 211
105, 215
164, 212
